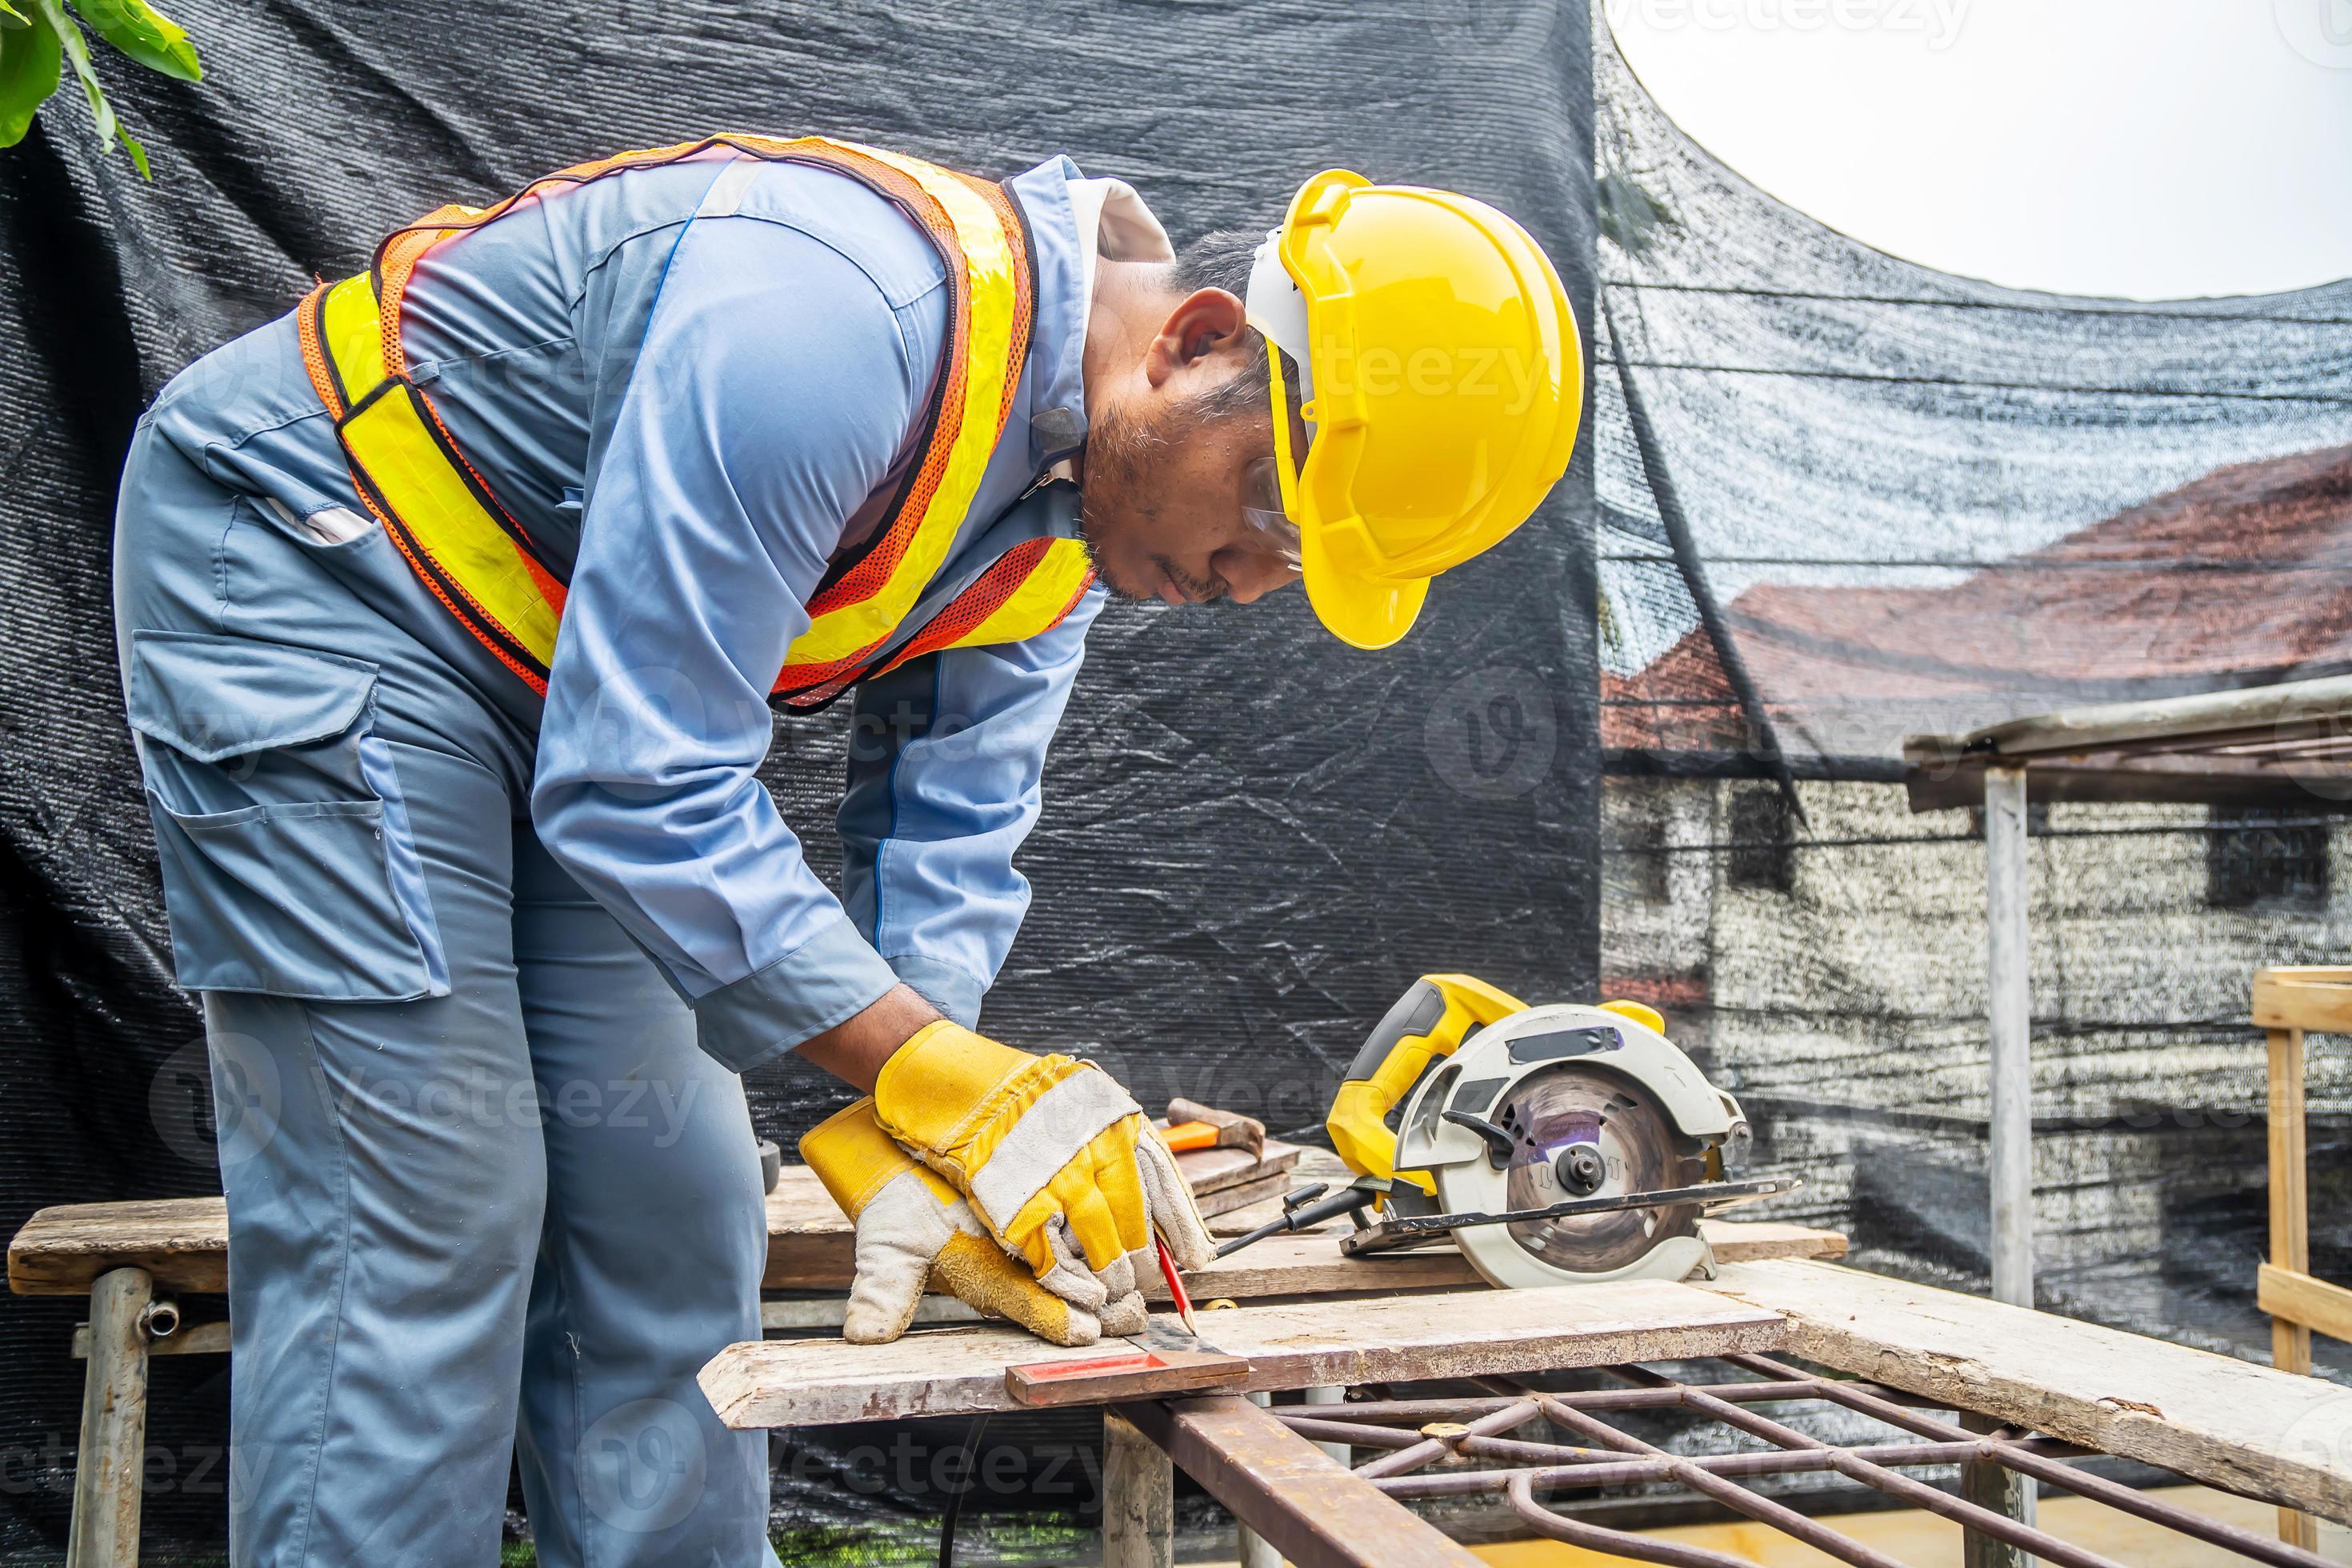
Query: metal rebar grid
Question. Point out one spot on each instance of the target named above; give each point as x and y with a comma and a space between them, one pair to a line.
1410, 1436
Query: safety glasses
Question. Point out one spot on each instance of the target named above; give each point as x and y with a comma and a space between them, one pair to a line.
1268, 524
1270, 485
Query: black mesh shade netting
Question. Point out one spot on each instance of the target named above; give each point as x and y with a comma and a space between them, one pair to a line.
1255, 837
1848, 499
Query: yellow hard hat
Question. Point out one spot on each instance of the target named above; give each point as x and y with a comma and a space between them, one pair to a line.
1442, 378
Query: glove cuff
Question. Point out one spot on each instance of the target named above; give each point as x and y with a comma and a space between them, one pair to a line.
852, 1157
946, 1083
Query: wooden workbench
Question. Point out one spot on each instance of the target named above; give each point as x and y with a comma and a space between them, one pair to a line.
2228, 1422
183, 1245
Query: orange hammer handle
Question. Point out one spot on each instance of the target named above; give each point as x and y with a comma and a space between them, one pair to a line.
1191, 1135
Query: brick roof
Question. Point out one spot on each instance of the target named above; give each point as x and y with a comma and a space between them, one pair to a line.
2240, 576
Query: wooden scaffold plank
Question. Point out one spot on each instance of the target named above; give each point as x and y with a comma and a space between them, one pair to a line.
1300, 1344
2230, 1422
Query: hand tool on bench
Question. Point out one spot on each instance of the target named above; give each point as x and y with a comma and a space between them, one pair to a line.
1559, 1144
1191, 1125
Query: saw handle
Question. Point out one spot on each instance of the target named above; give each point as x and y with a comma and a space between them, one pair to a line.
1428, 1023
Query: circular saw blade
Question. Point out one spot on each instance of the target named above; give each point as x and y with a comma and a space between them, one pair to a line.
1551, 1110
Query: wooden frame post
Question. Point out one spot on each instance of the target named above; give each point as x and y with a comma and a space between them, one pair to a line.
2290, 1229
2009, 1014
1139, 1505
2288, 1001
105, 1529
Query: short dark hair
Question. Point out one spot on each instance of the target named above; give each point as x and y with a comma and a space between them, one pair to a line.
1222, 258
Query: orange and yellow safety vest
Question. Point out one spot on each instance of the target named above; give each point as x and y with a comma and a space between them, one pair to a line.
481, 563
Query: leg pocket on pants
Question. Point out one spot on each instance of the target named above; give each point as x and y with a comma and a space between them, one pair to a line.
288, 868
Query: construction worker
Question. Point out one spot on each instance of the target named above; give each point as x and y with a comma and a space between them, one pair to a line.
486, 921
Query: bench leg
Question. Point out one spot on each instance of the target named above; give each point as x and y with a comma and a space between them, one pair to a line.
1139, 1508
105, 1531
2002, 1490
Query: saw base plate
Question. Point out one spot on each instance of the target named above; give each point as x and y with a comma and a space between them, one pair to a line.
1427, 1230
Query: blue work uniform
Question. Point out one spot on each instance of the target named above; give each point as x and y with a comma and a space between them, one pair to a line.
479, 970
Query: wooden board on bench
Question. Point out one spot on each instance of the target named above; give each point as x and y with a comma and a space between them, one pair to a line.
789, 1383
2227, 1422
183, 1244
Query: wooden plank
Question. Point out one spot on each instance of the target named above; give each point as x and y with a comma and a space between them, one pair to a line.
2305, 975
1091, 1377
809, 1239
196, 1339
1209, 1171
1754, 1240
789, 1383
1313, 1265
2301, 1299
2229, 1422
1243, 1194
1287, 1491
181, 1242
1314, 1165
2316, 999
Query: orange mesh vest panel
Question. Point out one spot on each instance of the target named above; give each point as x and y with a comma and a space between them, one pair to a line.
481, 563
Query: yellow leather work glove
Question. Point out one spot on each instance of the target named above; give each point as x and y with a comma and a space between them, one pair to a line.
914, 1233
1057, 1160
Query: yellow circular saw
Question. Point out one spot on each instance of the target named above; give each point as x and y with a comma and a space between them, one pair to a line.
1554, 1145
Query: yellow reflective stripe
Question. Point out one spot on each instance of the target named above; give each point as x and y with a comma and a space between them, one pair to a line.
989, 263
394, 448
349, 329
391, 443
1037, 604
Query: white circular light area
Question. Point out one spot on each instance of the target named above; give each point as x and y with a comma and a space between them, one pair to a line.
2148, 149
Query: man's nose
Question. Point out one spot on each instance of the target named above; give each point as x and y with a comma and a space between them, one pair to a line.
1251, 575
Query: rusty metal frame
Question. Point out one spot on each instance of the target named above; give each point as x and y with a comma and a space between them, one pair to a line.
1314, 1513
1322, 1516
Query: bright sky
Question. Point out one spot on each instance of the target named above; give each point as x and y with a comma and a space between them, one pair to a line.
2151, 148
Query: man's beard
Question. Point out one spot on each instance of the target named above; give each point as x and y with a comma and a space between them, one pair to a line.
1119, 446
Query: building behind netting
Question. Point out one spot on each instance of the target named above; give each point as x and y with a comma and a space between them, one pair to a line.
1843, 499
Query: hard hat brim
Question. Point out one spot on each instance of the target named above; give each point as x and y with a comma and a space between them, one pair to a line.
1361, 611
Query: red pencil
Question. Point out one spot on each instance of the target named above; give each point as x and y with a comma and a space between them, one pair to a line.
1175, 1285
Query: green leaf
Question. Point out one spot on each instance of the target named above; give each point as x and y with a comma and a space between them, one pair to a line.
10, 17
146, 34
77, 50
30, 62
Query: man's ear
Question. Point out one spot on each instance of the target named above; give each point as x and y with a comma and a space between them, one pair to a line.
1206, 323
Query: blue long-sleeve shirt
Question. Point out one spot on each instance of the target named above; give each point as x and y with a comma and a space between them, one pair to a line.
697, 383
